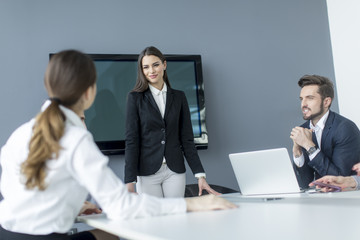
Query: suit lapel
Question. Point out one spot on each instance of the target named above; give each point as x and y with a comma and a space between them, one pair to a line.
150, 98
169, 100
328, 125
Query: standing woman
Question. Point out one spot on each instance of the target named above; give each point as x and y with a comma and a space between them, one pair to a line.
159, 133
51, 163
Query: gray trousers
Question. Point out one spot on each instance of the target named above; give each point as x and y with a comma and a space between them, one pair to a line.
164, 183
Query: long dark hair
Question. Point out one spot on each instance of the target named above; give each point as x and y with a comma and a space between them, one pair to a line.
142, 83
68, 75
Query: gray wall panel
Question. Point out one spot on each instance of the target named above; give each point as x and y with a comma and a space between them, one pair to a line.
253, 53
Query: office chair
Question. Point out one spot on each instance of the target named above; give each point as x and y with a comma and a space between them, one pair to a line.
192, 190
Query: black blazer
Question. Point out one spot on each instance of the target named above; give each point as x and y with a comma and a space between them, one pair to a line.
340, 150
149, 137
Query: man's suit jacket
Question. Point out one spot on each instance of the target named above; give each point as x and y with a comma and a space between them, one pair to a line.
149, 137
340, 150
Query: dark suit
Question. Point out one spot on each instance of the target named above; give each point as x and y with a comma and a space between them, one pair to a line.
340, 150
149, 137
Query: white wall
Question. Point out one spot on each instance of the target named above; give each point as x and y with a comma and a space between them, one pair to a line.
344, 22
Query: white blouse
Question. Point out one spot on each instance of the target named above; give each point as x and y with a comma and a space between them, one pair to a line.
80, 168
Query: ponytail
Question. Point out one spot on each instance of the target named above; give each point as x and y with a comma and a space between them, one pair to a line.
68, 75
44, 144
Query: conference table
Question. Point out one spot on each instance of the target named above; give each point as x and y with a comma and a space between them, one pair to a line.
292, 216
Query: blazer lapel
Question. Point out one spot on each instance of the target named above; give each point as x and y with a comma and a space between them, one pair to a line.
150, 98
169, 100
328, 125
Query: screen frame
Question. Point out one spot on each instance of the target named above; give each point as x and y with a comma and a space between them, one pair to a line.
201, 142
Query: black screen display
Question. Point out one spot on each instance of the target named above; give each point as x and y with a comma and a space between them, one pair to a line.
116, 77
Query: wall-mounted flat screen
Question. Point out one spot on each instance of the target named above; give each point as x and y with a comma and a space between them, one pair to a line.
116, 77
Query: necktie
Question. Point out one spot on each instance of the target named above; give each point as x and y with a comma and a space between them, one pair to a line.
314, 139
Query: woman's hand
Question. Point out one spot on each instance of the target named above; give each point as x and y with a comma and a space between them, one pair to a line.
203, 185
131, 187
208, 202
89, 208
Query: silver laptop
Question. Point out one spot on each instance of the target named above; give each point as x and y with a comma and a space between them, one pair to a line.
265, 172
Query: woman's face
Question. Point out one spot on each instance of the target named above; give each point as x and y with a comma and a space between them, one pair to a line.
153, 70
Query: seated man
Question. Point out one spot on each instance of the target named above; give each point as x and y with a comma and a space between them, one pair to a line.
328, 143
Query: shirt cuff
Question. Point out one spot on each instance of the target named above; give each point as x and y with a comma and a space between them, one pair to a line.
299, 161
200, 175
357, 181
313, 155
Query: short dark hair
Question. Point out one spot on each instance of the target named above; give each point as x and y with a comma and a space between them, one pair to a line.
326, 87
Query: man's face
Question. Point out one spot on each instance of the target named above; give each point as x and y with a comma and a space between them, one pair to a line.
312, 105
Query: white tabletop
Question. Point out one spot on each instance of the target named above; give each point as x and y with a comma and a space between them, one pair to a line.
316, 216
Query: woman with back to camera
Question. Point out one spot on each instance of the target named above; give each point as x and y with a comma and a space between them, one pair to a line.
159, 133
51, 163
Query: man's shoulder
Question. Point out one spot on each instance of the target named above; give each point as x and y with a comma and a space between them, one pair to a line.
339, 119
342, 126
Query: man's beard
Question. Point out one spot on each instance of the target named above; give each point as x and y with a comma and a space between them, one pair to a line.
315, 115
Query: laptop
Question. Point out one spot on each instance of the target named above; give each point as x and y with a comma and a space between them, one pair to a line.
264, 173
